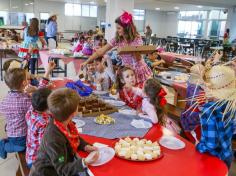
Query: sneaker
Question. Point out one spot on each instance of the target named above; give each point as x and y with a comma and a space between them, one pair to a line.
3, 153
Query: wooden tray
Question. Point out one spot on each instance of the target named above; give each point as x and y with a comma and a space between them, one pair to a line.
94, 114
136, 49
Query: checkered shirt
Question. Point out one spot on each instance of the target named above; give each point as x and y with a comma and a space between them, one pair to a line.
216, 135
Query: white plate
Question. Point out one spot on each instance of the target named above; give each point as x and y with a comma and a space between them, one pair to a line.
128, 111
141, 124
105, 155
98, 92
79, 123
115, 103
171, 142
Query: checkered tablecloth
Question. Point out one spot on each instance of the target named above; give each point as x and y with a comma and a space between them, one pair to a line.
121, 128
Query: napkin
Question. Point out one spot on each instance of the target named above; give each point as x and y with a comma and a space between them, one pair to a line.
141, 123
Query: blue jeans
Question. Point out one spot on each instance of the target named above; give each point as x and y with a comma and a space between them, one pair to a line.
32, 63
12, 144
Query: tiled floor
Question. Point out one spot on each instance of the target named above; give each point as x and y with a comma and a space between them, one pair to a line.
9, 166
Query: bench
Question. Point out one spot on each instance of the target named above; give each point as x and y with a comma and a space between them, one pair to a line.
23, 170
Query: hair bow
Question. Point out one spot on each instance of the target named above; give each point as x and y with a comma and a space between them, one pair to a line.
161, 95
126, 18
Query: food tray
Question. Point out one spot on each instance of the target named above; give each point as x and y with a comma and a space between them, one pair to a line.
159, 157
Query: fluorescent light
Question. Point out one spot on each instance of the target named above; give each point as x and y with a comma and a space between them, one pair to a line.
199, 7
26, 4
14, 7
176, 8
158, 8
31, 3
92, 2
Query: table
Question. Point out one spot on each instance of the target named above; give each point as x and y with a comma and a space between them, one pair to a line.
171, 57
184, 162
45, 55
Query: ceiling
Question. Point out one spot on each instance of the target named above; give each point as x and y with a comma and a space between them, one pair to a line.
169, 5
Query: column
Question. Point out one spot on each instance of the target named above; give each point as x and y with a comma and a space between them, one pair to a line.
115, 8
231, 22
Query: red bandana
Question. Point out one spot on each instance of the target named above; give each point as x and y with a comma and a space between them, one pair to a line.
71, 134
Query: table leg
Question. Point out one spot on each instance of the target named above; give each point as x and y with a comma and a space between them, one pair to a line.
65, 70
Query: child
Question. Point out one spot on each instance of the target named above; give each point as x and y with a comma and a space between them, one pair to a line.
88, 47
190, 117
153, 104
14, 107
126, 79
104, 75
79, 44
29, 48
153, 60
37, 119
217, 115
58, 153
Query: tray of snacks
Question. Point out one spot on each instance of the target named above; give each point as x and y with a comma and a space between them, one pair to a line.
138, 149
181, 78
104, 120
92, 107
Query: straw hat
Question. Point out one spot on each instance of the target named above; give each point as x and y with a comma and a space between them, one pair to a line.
52, 15
196, 74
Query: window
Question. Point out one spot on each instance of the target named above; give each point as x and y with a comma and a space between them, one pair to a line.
217, 23
139, 14
80, 10
3, 17
192, 23
29, 16
44, 16
85, 10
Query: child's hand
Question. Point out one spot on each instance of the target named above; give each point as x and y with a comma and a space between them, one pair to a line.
92, 157
30, 89
90, 148
51, 66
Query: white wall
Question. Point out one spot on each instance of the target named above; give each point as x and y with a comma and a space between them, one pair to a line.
162, 23
68, 22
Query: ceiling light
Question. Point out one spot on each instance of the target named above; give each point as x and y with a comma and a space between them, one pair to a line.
176, 8
14, 7
199, 7
25, 4
158, 8
31, 3
92, 2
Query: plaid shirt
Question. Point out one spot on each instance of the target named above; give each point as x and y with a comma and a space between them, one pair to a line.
14, 107
216, 137
37, 123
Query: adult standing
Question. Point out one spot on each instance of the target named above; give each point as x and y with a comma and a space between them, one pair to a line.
148, 34
51, 28
126, 35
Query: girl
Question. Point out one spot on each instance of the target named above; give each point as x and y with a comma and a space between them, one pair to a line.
153, 104
88, 47
126, 35
29, 48
126, 80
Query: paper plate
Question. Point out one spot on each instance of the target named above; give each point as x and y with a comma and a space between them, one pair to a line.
172, 142
98, 92
141, 124
79, 123
128, 111
105, 155
115, 103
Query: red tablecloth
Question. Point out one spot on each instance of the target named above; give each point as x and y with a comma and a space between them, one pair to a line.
44, 55
170, 57
184, 162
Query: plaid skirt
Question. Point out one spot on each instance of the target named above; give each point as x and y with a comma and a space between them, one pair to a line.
24, 50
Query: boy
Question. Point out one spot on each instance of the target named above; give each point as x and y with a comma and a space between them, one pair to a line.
14, 107
104, 75
153, 60
58, 153
37, 119
217, 114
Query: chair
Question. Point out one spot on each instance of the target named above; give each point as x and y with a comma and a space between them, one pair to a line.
23, 170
